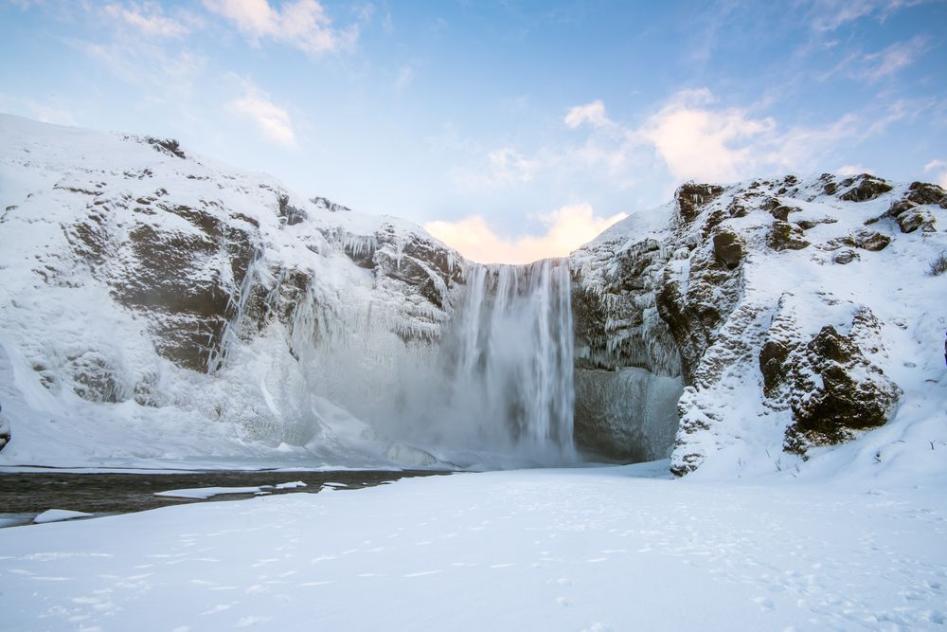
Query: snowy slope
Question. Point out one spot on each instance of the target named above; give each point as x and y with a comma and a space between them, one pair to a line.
526, 550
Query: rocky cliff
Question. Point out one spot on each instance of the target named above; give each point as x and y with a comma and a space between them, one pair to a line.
790, 311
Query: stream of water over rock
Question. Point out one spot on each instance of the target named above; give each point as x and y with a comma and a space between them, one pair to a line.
511, 351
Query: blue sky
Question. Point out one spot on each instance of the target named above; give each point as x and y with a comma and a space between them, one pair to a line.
511, 129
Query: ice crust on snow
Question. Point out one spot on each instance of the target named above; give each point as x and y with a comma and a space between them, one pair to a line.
58, 515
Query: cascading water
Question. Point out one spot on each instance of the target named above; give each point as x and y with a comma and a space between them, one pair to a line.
510, 353
495, 389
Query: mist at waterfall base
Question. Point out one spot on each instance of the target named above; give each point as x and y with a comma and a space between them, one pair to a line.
495, 390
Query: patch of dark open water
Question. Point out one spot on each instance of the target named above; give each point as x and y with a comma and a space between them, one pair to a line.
26, 494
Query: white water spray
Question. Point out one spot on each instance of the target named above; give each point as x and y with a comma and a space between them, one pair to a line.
510, 357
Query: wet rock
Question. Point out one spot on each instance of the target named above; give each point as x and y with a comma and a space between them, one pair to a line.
628, 414
786, 236
728, 249
927, 193
773, 366
691, 197
328, 205
845, 256
870, 240
863, 188
852, 394
288, 213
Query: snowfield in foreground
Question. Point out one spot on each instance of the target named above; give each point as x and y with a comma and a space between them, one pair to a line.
593, 549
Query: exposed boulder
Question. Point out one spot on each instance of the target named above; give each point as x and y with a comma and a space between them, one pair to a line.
786, 236
827, 382
927, 193
728, 249
854, 394
863, 188
845, 256
692, 196
289, 213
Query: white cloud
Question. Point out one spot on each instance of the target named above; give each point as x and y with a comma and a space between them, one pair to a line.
405, 77
697, 138
505, 166
592, 113
938, 166
893, 58
852, 170
697, 141
147, 18
45, 112
303, 23
566, 229
829, 15
274, 122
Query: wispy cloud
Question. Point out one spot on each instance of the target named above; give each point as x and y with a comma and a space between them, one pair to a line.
504, 166
830, 15
273, 122
303, 24
698, 138
45, 112
148, 18
893, 58
592, 113
852, 170
567, 228
405, 77
939, 168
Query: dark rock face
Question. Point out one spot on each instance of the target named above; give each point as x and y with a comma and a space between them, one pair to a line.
786, 236
691, 196
289, 213
845, 256
189, 282
827, 382
927, 193
854, 394
728, 249
863, 188
332, 207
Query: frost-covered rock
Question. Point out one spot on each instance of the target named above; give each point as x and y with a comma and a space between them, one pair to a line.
798, 313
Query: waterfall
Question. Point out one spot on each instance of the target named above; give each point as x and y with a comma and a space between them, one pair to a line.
510, 358
495, 389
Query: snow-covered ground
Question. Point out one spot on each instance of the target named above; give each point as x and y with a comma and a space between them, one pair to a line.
571, 549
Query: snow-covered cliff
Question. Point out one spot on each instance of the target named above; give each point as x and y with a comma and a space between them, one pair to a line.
791, 314
158, 307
